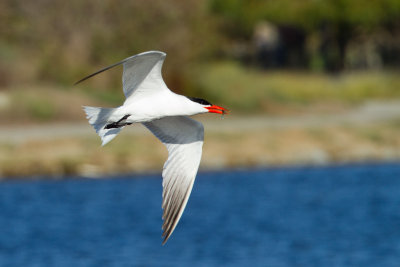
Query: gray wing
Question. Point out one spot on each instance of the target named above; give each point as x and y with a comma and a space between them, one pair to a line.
183, 138
141, 71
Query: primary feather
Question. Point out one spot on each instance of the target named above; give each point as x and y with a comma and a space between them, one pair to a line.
183, 138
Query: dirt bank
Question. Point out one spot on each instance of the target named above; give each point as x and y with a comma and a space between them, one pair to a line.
368, 132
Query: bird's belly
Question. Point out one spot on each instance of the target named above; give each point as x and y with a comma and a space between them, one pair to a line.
152, 108
144, 114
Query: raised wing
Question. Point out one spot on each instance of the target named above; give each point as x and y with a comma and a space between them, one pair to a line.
183, 138
140, 71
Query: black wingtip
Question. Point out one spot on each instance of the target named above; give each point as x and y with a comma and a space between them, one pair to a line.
166, 237
87, 77
100, 71
118, 63
81, 80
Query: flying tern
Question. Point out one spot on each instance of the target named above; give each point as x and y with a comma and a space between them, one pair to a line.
165, 114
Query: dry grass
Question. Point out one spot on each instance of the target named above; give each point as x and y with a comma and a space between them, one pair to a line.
143, 153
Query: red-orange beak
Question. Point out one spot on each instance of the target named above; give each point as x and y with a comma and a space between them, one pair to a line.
217, 109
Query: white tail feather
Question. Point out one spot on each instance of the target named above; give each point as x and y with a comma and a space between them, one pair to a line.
99, 118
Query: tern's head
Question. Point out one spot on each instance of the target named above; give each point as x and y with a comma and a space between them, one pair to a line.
208, 106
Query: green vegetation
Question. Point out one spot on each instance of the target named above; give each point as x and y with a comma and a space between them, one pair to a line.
307, 14
210, 46
244, 89
60, 42
42, 110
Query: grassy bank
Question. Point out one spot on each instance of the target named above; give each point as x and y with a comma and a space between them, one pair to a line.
245, 91
251, 90
141, 152
242, 90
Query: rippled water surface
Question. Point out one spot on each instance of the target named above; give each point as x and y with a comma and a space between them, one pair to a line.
325, 216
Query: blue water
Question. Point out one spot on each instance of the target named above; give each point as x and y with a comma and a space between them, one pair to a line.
325, 216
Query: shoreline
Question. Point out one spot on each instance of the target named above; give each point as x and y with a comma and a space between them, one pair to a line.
157, 173
367, 133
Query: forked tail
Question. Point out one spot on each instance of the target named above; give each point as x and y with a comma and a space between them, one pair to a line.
99, 118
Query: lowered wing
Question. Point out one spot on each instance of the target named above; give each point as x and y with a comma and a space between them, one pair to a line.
183, 138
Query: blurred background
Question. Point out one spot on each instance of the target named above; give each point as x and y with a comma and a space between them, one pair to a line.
308, 82
314, 92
